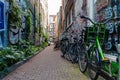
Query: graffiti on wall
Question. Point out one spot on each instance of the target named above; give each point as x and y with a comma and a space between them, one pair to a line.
1, 22
108, 10
16, 34
1, 15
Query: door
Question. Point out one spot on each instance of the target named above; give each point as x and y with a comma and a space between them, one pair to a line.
1, 16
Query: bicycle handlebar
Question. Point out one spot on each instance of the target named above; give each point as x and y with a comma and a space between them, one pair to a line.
85, 17
100, 22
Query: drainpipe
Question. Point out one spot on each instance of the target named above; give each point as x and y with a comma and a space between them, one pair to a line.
39, 22
91, 10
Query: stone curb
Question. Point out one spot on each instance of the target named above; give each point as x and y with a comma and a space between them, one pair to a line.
18, 64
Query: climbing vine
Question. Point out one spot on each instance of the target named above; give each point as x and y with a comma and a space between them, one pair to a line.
28, 24
35, 18
15, 15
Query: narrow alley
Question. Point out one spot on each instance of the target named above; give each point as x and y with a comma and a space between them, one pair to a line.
47, 65
85, 32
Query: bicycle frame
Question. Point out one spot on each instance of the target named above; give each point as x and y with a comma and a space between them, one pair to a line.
112, 67
97, 45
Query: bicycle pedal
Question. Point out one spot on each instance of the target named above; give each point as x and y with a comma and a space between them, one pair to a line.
105, 59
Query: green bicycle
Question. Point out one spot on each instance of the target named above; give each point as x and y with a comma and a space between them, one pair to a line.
98, 62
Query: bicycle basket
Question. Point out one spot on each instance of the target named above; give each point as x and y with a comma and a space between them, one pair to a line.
91, 32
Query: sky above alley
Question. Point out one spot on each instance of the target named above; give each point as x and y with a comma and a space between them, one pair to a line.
53, 6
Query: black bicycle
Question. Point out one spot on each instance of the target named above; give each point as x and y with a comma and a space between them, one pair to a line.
82, 58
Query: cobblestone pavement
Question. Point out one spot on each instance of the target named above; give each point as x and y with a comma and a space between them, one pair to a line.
47, 65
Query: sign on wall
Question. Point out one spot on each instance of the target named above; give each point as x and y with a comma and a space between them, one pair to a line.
1, 16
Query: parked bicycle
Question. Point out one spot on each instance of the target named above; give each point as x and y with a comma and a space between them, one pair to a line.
64, 42
82, 58
95, 58
74, 48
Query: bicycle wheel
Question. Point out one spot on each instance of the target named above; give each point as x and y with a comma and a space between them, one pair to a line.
72, 53
64, 47
93, 61
82, 58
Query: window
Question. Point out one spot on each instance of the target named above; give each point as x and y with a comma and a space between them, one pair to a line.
51, 19
50, 29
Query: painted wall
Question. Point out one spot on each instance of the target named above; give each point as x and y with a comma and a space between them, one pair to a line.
3, 33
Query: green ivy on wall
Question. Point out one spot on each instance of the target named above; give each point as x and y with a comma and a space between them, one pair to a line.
15, 15
28, 25
35, 23
35, 18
